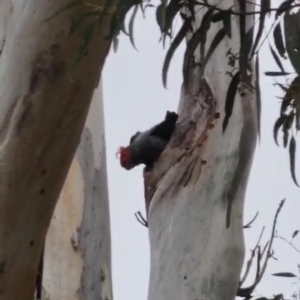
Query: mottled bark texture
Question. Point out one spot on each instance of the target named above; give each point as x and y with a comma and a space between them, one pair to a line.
77, 261
42, 114
193, 254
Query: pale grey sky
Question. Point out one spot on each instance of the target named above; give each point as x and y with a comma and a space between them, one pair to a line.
134, 99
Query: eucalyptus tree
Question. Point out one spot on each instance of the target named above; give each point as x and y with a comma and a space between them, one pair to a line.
195, 193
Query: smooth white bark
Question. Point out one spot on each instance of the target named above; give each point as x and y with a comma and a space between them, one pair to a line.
77, 262
193, 255
42, 114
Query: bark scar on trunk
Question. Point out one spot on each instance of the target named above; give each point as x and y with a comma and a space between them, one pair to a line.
48, 64
196, 118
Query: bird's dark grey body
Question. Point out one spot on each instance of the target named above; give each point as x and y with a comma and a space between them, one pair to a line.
147, 146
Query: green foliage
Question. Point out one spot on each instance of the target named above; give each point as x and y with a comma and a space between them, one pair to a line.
230, 97
292, 33
276, 59
88, 18
285, 274
264, 9
176, 42
278, 40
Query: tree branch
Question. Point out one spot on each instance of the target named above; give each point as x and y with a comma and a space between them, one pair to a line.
239, 13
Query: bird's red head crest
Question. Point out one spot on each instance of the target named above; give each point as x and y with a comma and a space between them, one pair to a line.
125, 158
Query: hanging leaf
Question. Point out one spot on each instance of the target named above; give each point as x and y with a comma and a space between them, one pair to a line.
295, 233
267, 6
171, 11
119, 16
174, 45
220, 35
244, 54
242, 17
277, 59
284, 6
197, 37
283, 87
115, 44
227, 24
291, 92
264, 8
258, 97
292, 33
279, 122
230, 97
284, 274
277, 73
243, 57
131, 23
225, 16
219, 16
286, 127
285, 137
161, 16
293, 159
297, 109
205, 27
278, 40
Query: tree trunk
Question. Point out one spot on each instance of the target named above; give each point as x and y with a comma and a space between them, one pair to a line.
43, 111
77, 262
193, 254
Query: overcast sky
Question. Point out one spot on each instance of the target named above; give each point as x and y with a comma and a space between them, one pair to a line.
134, 99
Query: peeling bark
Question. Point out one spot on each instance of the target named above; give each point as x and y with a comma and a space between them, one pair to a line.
193, 253
42, 114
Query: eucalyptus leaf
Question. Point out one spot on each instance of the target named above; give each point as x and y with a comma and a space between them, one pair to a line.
285, 274
278, 40
270, 73
292, 33
131, 23
174, 45
230, 98
264, 8
227, 24
279, 123
172, 10
220, 35
198, 37
295, 233
161, 16
292, 165
283, 7
277, 59
246, 45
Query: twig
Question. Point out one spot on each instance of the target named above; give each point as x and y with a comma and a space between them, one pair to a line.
250, 261
261, 234
270, 252
246, 292
291, 244
248, 225
239, 13
249, 264
141, 219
